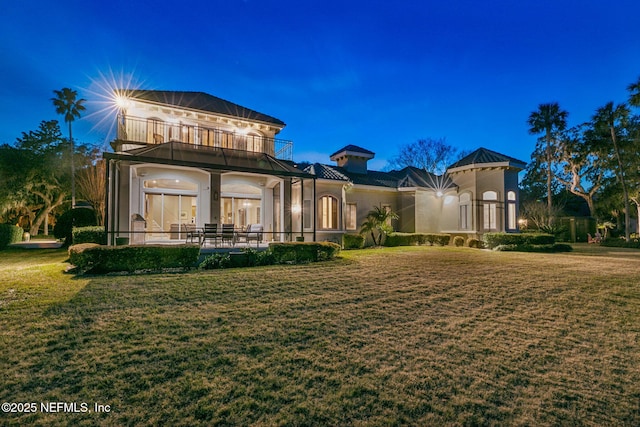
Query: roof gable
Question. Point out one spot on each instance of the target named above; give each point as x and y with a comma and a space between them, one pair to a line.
203, 102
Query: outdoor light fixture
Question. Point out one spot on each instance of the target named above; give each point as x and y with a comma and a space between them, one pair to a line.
296, 209
439, 193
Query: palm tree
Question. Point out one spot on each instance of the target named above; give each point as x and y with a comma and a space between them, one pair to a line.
378, 222
608, 118
634, 97
67, 104
548, 119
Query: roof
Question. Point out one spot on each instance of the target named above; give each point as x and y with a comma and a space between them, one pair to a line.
354, 149
408, 177
210, 158
483, 156
203, 102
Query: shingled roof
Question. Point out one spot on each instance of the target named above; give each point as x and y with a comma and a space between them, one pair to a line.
483, 156
203, 102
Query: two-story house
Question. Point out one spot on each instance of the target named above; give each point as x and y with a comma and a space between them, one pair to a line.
185, 159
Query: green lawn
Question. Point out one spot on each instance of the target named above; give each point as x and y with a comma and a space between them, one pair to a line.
419, 336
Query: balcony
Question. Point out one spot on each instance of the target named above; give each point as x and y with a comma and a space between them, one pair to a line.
150, 131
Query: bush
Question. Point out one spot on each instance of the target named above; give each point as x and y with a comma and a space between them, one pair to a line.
79, 217
493, 240
458, 241
621, 243
412, 239
10, 234
94, 234
474, 243
89, 257
526, 247
298, 252
247, 258
353, 241
216, 261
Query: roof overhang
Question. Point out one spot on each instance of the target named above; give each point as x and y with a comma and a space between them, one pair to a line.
485, 166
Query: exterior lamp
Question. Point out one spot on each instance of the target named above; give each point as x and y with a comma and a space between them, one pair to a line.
296, 209
439, 193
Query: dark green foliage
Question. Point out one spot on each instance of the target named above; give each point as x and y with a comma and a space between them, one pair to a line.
526, 247
621, 243
216, 261
496, 239
9, 234
93, 258
352, 241
412, 239
458, 241
79, 217
300, 252
91, 234
475, 243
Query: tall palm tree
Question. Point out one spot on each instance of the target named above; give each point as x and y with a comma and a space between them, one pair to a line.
610, 118
634, 97
548, 119
67, 104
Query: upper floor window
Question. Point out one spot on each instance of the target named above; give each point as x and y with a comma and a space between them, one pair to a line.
328, 213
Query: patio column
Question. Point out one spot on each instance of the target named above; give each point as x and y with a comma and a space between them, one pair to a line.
214, 184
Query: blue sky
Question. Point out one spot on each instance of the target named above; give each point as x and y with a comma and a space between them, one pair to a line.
377, 74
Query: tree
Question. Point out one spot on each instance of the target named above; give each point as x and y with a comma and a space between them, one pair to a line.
91, 186
580, 164
34, 174
67, 104
634, 96
548, 119
431, 155
378, 223
612, 119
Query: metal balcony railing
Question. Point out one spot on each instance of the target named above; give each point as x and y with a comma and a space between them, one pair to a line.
150, 131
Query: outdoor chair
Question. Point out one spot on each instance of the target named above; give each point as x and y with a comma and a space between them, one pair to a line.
228, 233
253, 232
210, 232
191, 233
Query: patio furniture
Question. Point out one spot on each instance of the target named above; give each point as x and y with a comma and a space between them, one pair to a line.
210, 232
228, 234
253, 232
191, 232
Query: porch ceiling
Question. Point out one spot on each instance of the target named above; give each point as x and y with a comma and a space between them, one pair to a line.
210, 158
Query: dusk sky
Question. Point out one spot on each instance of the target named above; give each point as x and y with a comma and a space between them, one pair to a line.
377, 74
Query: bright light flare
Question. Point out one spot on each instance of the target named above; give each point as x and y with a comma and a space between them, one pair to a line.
108, 95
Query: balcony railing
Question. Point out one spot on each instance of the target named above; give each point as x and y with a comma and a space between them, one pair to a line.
150, 131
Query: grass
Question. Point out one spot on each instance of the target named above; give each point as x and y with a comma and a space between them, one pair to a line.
416, 336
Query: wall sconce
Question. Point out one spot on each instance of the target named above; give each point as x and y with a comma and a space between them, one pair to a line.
296, 209
216, 195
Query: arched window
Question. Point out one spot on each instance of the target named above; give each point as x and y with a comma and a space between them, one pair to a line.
490, 210
511, 211
328, 213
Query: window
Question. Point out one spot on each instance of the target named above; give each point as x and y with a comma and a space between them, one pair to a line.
306, 213
352, 223
490, 210
328, 212
511, 210
465, 211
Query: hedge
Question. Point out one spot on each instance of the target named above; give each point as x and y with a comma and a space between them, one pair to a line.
353, 241
412, 239
78, 217
298, 252
621, 243
94, 234
9, 234
496, 239
556, 247
90, 257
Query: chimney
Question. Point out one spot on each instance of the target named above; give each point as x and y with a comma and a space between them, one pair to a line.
353, 158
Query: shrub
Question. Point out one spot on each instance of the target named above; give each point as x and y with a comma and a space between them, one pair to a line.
493, 240
353, 241
297, 252
89, 257
474, 243
458, 241
621, 243
79, 217
412, 239
216, 261
94, 234
527, 247
10, 234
